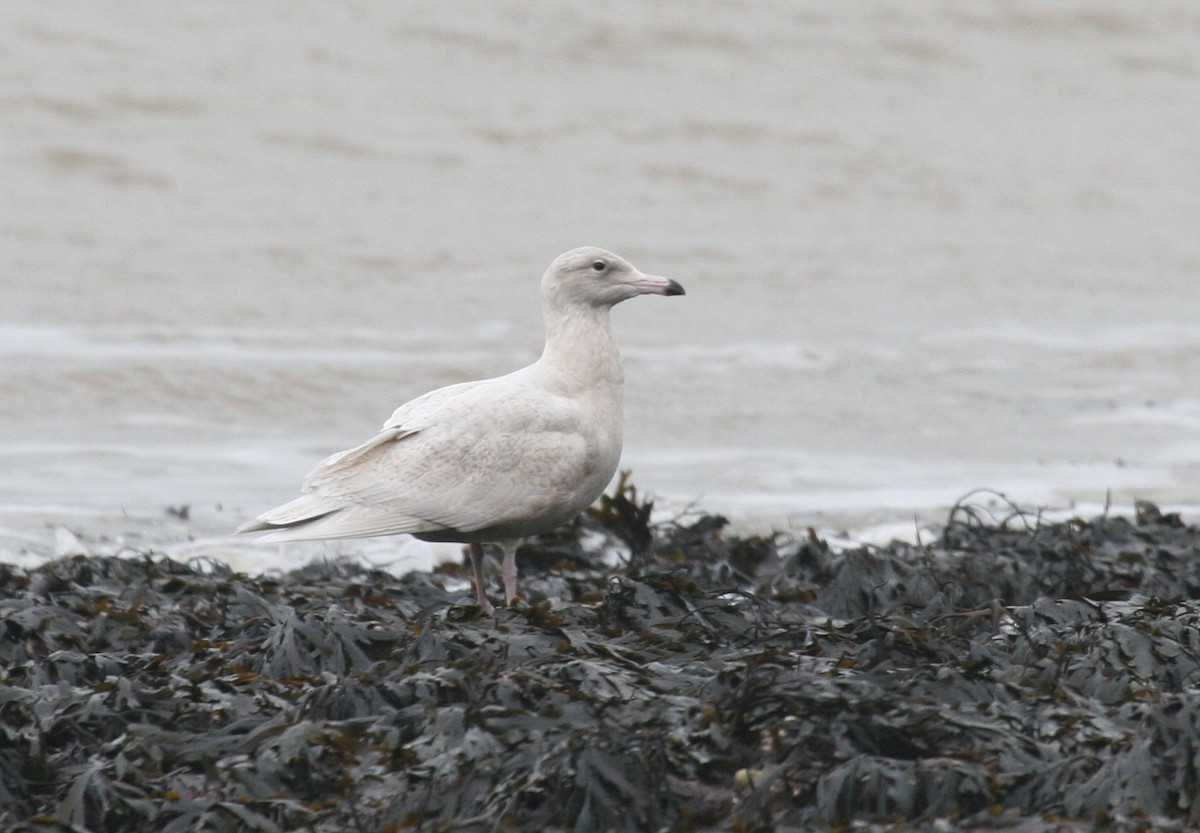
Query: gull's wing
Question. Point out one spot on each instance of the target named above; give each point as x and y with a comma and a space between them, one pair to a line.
462, 458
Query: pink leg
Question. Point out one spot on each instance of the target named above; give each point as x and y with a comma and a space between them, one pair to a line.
509, 571
476, 553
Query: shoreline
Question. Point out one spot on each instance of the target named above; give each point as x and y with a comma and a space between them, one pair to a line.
31, 536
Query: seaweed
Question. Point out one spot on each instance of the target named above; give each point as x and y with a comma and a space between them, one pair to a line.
1011, 673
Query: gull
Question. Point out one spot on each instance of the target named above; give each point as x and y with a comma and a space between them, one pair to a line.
497, 460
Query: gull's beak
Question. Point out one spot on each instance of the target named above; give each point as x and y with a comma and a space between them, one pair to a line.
654, 285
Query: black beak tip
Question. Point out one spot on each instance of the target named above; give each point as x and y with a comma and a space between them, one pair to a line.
673, 288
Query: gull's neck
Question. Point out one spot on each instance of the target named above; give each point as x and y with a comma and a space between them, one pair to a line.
580, 351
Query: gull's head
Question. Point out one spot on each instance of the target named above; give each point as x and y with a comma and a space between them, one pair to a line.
596, 278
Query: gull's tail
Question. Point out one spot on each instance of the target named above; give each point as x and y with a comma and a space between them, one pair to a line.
314, 518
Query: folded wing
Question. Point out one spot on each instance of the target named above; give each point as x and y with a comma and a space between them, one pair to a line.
441, 463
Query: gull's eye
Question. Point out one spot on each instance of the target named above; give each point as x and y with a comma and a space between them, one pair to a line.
599, 265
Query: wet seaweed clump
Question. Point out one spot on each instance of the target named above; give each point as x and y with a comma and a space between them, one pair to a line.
1011, 674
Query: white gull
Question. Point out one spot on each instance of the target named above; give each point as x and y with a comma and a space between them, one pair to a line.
496, 460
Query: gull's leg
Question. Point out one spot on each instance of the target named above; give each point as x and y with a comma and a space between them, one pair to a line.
476, 553
509, 571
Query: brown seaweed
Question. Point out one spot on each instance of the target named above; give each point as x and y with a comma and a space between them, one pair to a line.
1011, 673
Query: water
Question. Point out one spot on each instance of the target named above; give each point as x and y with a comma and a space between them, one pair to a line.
927, 248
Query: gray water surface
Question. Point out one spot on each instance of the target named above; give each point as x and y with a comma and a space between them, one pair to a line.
927, 247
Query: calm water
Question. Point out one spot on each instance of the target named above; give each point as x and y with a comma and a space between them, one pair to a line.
927, 248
